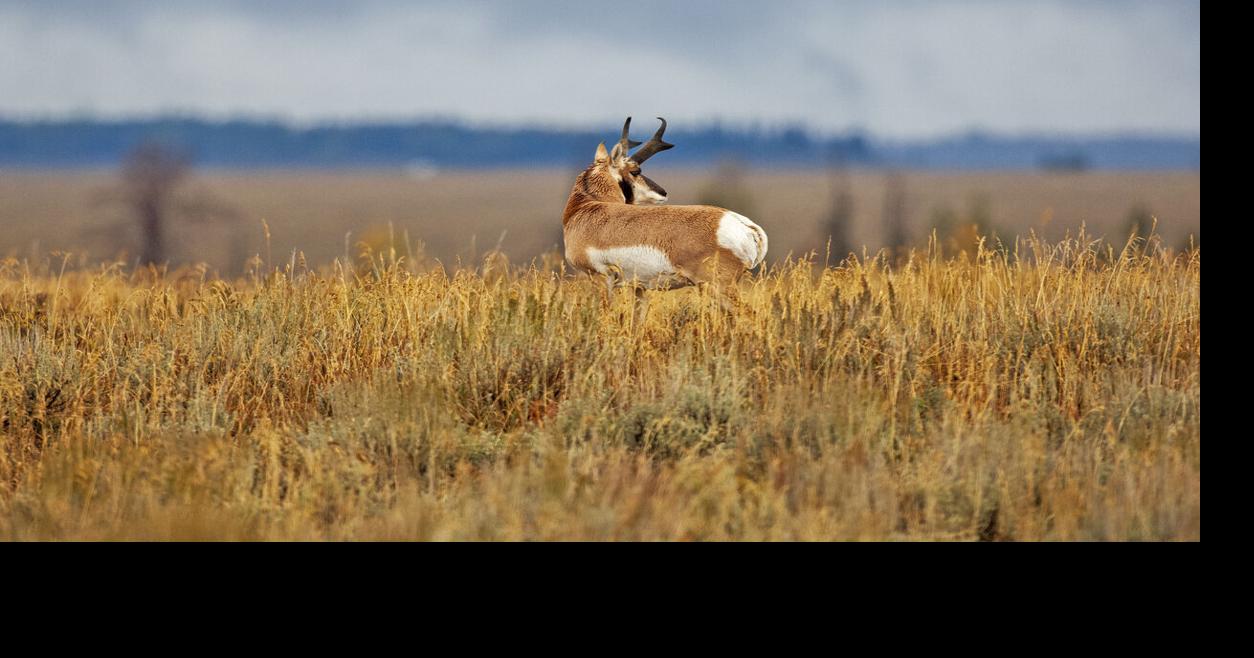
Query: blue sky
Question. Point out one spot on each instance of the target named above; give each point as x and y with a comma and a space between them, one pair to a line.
905, 69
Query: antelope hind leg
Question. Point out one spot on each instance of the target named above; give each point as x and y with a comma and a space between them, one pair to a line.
722, 275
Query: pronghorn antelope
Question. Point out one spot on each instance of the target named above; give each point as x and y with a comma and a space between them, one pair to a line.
614, 225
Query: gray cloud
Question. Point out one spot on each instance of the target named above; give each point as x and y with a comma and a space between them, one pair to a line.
899, 69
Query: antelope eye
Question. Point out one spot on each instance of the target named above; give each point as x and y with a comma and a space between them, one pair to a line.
635, 172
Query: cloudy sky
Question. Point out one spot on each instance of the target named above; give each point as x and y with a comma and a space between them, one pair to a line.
898, 69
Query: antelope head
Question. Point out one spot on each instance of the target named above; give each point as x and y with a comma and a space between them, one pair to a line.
624, 167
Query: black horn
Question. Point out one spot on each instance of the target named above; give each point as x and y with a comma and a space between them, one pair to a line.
626, 142
654, 145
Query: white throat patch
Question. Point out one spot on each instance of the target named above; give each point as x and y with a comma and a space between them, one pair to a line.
645, 196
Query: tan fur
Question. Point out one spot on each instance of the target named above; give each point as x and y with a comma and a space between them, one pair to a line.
597, 215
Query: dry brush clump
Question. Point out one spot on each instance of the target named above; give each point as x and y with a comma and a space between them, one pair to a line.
1034, 392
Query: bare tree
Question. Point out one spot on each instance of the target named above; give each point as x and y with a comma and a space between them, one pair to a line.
839, 220
896, 234
150, 175
728, 189
1139, 222
154, 191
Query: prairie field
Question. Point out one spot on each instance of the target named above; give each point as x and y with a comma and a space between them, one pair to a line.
456, 217
1034, 391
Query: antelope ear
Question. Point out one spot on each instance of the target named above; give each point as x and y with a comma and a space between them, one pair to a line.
617, 154
602, 154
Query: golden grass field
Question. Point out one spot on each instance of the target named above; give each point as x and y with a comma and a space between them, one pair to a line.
1034, 393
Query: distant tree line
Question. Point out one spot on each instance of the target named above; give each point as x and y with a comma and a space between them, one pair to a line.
248, 143
446, 144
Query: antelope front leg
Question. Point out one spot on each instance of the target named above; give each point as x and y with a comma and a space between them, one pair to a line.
641, 312
611, 282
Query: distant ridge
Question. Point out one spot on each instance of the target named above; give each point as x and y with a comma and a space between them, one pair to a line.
75, 143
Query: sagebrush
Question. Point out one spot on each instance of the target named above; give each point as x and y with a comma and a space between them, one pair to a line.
1027, 392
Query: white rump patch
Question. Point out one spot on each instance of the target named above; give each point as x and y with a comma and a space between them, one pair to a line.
641, 262
746, 240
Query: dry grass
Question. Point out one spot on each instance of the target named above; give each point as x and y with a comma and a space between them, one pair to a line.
1047, 392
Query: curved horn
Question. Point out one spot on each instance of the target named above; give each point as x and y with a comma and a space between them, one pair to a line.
626, 142
654, 145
